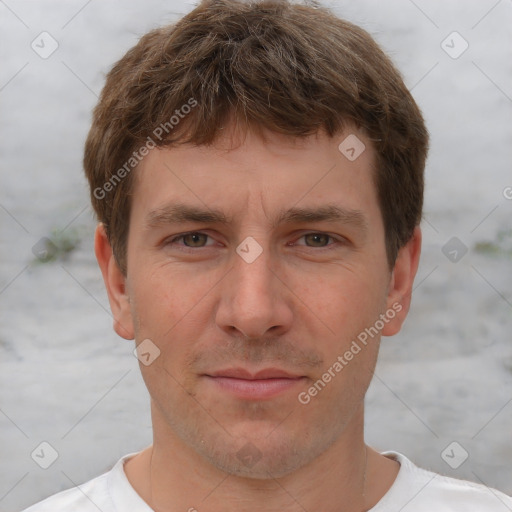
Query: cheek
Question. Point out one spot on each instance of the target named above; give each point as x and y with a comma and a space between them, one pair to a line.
165, 296
345, 301
349, 355
172, 309
349, 310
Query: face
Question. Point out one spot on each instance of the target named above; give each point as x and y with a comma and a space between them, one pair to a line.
255, 272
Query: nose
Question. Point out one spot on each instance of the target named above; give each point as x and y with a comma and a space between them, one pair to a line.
254, 299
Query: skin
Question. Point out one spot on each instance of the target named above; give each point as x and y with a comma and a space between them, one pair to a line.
296, 307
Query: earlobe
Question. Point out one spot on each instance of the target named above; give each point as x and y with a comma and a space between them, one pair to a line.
401, 283
115, 283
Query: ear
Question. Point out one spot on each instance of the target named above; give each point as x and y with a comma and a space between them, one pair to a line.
402, 279
115, 283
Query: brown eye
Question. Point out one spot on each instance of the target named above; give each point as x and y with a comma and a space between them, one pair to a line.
317, 239
194, 239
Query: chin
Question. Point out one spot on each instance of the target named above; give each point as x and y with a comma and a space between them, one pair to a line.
262, 452
256, 462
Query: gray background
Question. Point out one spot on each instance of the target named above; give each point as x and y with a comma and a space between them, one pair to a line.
67, 379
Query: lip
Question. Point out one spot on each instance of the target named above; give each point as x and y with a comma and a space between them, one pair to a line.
264, 384
242, 373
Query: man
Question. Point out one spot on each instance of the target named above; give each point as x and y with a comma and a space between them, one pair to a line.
257, 171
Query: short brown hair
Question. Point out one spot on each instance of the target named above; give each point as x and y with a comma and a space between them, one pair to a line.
288, 68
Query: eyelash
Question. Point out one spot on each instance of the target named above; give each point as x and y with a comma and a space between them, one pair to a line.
173, 241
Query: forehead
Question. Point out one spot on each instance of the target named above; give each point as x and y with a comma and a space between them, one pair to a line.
270, 174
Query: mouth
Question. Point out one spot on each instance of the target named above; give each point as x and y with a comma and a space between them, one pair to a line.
264, 384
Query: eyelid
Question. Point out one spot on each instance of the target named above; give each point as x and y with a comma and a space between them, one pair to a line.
174, 239
334, 239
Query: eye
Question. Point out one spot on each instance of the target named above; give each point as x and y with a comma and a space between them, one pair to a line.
198, 240
192, 239
319, 240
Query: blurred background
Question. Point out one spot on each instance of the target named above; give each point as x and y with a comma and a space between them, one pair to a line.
442, 394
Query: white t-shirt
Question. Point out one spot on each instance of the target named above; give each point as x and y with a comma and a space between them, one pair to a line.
414, 490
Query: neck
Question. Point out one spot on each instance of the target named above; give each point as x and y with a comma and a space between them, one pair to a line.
171, 476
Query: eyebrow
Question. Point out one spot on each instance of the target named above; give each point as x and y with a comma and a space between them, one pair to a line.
325, 213
176, 213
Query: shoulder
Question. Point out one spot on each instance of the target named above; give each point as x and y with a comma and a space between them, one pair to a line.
420, 490
88, 497
96, 494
